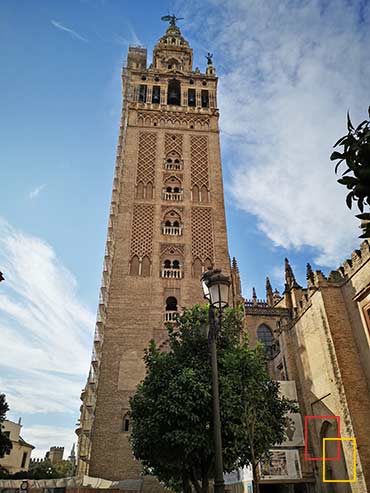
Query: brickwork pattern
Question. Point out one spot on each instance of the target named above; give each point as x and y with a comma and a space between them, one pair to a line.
154, 119
173, 143
146, 157
199, 160
202, 233
142, 230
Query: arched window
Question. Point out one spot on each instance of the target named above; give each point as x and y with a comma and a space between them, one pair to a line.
176, 264
173, 161
171, 304
149, 191
134, 266
264, 335
167, 264
195, 193
126, 423
140, 190
207, 264
171, 310
333, 451
197, 267
171, 224
174, 92
145, 267
204, 194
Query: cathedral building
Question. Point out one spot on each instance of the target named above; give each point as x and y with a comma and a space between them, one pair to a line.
166, 226
318, 336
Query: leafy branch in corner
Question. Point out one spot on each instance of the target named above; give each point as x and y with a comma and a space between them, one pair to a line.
356, 154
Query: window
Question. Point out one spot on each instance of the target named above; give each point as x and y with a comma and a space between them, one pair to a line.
197, 267
145, 267
156, 95
174, 92
142, 93
171, 304
173, 161
195, 193
6, 433
264, 335
172, 189
125, 424
171, 270
204, 98
24, 458
171, 224
191, 97
366, 312
171, 309
140, 190
204, 194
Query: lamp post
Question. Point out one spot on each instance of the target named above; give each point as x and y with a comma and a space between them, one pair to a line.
216, 290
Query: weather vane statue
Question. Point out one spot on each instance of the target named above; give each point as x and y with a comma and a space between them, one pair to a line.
171, 19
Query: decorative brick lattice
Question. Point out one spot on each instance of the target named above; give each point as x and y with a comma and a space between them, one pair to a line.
146, 158
142, 230
199, 160
202, 233
173, 143
154, 119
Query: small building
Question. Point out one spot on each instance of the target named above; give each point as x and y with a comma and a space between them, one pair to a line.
19, 457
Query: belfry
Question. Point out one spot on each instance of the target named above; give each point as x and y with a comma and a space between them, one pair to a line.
166, 226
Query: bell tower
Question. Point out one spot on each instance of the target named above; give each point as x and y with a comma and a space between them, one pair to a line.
166, 226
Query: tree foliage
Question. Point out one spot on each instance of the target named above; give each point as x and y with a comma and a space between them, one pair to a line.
43, 470
171, 412
5, 443
356, 154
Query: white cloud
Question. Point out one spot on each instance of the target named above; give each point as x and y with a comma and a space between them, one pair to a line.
36, 192
132, 39
46, 332
43, 437
68, 30
289, 72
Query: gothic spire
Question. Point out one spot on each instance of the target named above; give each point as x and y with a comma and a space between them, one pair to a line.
254, 296
309, 274
290, 281
269, 293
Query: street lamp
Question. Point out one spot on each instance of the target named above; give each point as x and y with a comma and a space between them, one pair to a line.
216, 291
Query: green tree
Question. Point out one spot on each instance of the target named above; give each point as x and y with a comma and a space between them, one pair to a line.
41, 470
64, 468
356, 154
5, 443
171, 412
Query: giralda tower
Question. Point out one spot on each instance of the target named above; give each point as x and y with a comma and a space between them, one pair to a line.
167, 224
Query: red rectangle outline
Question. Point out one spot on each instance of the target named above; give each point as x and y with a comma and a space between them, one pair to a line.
305, 454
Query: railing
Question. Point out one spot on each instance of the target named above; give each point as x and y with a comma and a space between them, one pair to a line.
172, 273
172, 230
173, 166
172, 196
171, 316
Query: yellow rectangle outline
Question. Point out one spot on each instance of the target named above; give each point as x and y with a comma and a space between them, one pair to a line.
354, 461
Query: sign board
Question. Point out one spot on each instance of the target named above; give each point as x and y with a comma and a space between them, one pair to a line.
282, 464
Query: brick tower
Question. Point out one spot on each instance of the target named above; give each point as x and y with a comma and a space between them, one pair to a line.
167, 225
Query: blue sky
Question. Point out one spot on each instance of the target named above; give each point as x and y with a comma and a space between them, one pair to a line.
289, 70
